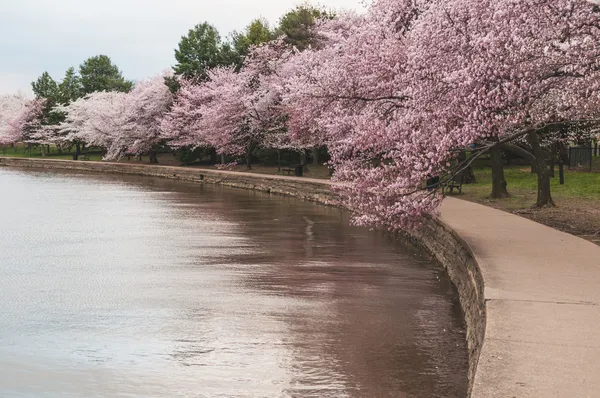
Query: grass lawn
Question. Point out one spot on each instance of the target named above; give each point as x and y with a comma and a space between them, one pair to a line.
94, 155
21, 151
577, 208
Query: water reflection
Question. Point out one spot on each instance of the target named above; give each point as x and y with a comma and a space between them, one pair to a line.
130, 286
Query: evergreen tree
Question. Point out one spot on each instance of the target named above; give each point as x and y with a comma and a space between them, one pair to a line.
100, 74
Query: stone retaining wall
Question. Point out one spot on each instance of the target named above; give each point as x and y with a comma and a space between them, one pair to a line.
458, 259
303, 188
440, 240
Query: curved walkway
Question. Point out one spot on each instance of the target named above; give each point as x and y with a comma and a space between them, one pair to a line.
542, 288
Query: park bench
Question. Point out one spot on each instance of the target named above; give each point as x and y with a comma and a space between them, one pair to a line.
455, 182
296, 169
84, 157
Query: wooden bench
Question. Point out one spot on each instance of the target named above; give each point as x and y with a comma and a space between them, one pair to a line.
290, 170
455, 182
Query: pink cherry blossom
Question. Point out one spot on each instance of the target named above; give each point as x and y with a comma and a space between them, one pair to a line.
352, 89
26, 126
232, 111
99, 119
398, 92
10, 108
122, 123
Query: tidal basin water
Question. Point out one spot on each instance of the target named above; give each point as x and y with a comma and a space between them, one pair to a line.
116, 286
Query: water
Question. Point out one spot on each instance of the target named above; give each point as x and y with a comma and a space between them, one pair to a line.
115, 286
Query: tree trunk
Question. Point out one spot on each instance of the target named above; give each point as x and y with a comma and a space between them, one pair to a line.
222, 158
563, 157
153, 157
552, 158
303, 160
561, 172
315, 154
77, 148
140, 157
249, 157
29, 149
544, 197
214, 159
279, 160
4, 149
43, 150
499, 190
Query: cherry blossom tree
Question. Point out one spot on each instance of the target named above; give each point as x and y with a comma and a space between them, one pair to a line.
122, 123
234, 112
497, 71
352, 90
223, 120
181, 126
10, 107
400, 91
97, 119
27, 126
261, 74
145, 106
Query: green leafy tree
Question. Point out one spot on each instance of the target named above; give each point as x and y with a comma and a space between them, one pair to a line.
45, 87
296, 25
201, 50
228, 55
100, 74
257, 32
70, 88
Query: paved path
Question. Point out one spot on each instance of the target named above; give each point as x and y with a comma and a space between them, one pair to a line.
543, 316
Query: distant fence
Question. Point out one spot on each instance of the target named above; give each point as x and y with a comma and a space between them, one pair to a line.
581, 158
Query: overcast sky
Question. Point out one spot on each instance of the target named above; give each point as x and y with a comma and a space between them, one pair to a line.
138, 35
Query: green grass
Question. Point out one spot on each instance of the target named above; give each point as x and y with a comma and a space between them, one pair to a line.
578, 200
21, 151
522, 186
